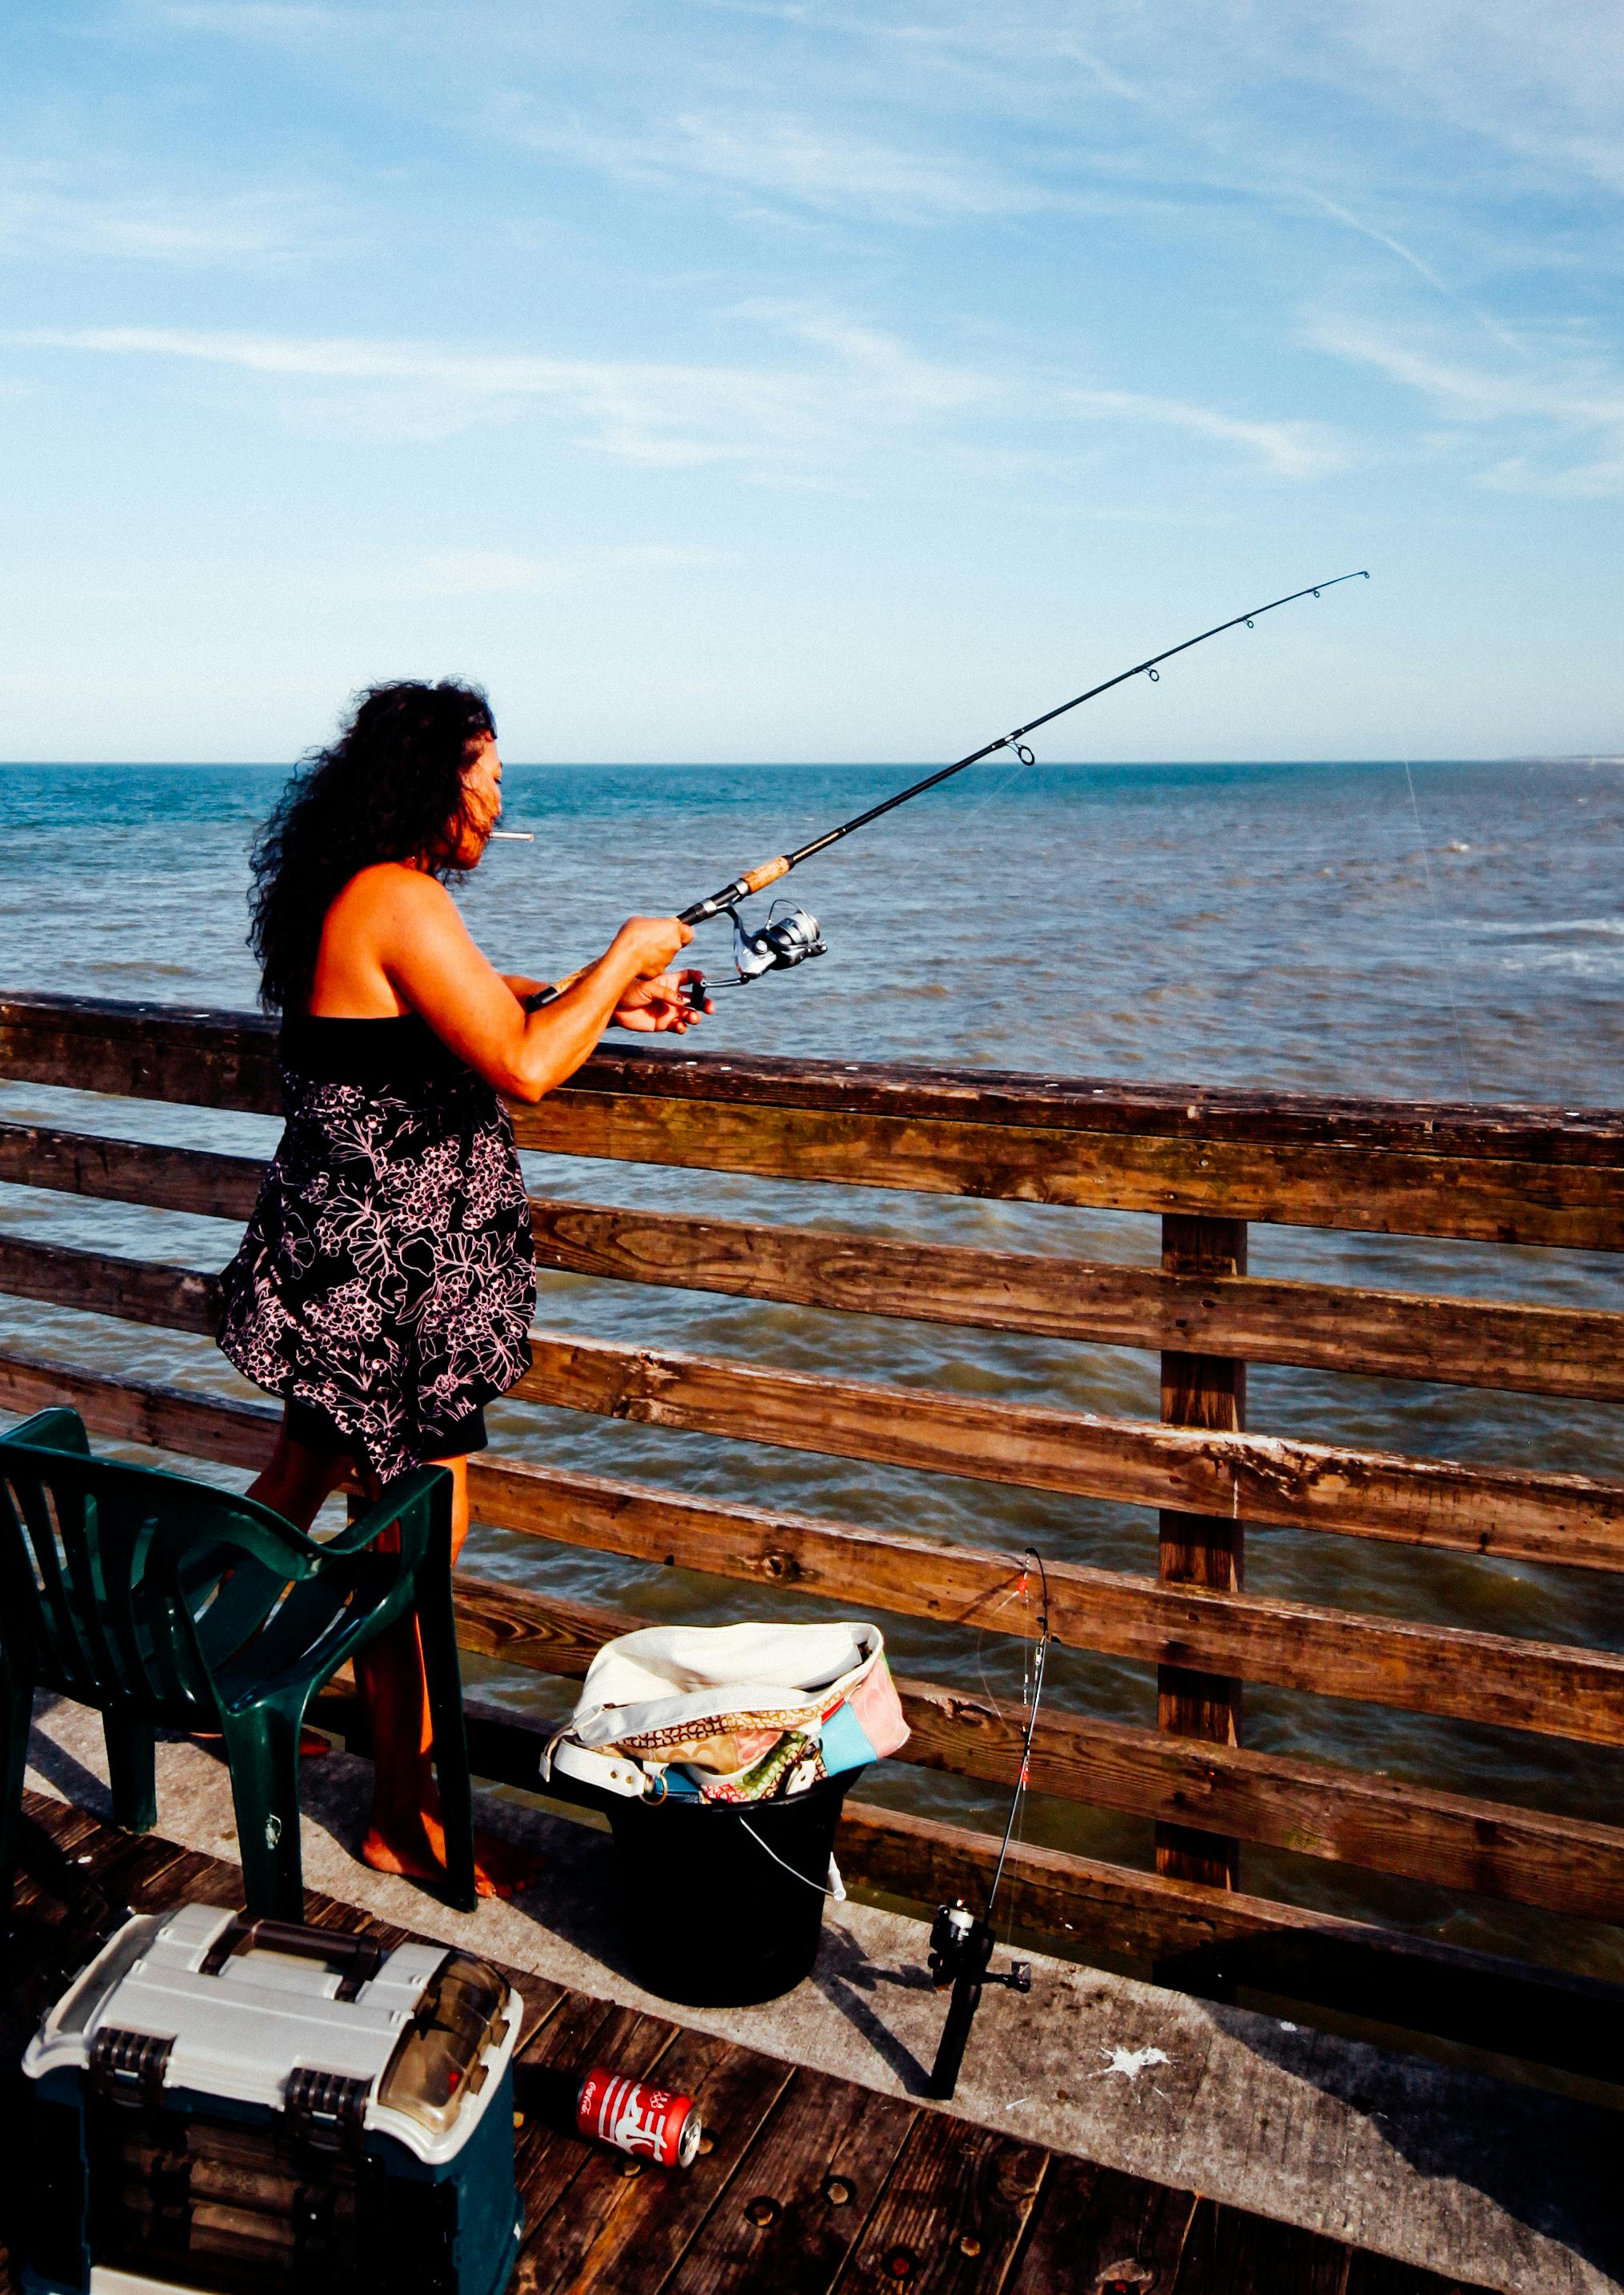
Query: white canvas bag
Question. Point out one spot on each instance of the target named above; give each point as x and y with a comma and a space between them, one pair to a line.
674, 1684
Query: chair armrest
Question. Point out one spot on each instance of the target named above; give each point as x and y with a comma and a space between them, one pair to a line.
403, 1499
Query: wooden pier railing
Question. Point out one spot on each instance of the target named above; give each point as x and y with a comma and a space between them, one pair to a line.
1207, 1164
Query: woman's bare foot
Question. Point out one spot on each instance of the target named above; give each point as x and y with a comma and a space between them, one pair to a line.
417, 1852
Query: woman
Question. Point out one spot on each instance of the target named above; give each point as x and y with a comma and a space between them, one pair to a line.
385, 1285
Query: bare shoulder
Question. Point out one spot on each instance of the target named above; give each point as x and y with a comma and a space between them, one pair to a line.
391, 886
388, 899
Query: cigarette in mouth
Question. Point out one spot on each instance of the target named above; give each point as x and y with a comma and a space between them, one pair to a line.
513, 836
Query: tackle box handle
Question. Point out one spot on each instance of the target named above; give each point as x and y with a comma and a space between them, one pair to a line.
357, 1958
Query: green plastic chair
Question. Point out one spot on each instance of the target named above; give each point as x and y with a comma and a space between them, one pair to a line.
168, 1605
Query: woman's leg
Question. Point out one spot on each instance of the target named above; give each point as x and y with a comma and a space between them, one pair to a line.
296, 1482
404, 1835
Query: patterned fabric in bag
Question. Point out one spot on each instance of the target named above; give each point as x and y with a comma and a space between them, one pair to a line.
745, 1712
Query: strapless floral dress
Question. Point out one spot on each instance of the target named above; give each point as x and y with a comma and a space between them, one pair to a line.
386, 1278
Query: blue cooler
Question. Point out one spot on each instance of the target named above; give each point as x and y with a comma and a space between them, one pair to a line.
251, 2107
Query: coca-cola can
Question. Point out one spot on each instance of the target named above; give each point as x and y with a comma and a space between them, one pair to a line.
652, 2123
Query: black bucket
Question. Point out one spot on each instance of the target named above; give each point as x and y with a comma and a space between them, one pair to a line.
709, 1914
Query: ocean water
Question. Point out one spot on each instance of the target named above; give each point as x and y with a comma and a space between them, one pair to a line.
1443, 929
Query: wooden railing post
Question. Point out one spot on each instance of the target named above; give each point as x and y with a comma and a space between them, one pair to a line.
1207, 1391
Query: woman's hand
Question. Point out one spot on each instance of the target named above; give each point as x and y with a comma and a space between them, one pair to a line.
650, 943
660, 1006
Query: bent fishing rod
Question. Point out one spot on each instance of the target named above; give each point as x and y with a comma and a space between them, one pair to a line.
789, 940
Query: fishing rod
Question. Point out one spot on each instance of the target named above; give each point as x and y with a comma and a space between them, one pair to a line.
789, 940
961, 1946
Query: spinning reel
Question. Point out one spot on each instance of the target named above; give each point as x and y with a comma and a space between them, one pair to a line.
775, 946
961, 1952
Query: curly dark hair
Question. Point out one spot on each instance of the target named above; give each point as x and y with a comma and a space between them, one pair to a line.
389, 788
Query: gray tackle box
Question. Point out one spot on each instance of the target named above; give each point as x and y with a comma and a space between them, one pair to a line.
248, 2106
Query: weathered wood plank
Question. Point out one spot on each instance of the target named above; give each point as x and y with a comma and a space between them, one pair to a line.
1375, 1191
544, 1634
105, 1283
1528, 1685
1315, 1809
1324, 1327
1451, 1130
822, 2160
1095, 1903
163, 1417
1555, 1351
142, 1051
1095, 2229
1207, 1392
1532, 1175
1228, 2253
139, 1038
1510, 1512
129, 1171
951, 2215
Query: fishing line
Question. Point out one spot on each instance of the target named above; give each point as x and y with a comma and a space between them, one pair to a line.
1027, 1670
1022, 1590
1441, 939
1005, 782
1024, 1775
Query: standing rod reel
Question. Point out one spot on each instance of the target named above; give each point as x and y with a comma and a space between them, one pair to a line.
961, 1946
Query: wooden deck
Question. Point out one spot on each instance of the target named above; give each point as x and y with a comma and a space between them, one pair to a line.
809, 2185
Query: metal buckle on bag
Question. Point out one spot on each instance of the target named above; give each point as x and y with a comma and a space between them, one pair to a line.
323, 2110
128, 2068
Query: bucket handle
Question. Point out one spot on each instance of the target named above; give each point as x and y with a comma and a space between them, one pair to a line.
836, 1893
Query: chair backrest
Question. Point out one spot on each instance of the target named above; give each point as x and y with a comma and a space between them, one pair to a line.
110, 1574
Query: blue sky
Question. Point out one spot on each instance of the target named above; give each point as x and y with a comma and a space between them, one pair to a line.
721, 379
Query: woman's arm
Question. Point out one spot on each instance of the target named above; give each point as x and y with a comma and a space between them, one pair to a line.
428, 958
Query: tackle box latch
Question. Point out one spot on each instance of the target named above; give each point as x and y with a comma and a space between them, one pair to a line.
128, 2068
324, 2111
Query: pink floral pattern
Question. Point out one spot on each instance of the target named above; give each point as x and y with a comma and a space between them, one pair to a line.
386, 1276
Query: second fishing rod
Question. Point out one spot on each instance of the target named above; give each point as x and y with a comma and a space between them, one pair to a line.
782, 942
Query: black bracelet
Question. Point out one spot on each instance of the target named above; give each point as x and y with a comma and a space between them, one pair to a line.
543, 996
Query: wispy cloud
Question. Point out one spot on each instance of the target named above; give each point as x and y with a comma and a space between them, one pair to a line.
1274, 85
855, 390
800, 163
645, 411
1290, 449
45, 213
1565, 423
